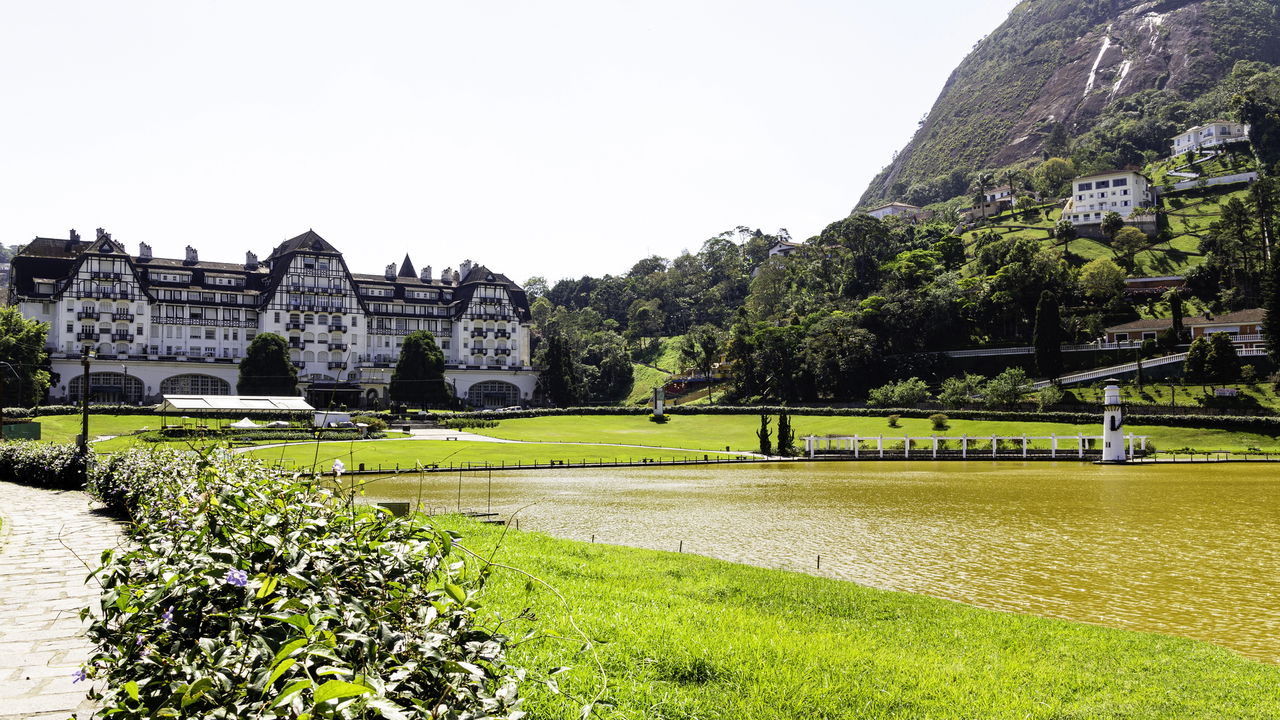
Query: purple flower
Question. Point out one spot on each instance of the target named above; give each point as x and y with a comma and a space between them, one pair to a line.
167, 616
239, 578
79, 675
338, 467
140, 640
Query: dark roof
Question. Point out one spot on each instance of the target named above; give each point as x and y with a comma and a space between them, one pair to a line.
1251, 315
406, 268
309, 241
1143, 324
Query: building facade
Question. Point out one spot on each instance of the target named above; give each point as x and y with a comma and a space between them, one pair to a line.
902, 210
1094, 196
1244, 327
167, 326
1210, 134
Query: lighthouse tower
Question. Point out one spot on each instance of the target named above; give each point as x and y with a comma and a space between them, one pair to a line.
1113, 450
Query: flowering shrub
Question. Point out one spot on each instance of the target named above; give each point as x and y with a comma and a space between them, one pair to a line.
250, 593
57, 467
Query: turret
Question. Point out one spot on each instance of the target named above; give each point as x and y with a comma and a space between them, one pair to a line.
1113, 449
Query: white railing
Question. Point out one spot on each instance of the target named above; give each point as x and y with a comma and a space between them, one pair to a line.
1129, 367
873, 446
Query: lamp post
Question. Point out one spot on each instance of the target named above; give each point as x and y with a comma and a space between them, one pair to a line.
124, 384
86, 355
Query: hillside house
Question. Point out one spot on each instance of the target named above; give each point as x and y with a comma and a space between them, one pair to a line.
1153, 285
1218, 132
1093, 196
993, 202
783, 247
1244, 327
902, 210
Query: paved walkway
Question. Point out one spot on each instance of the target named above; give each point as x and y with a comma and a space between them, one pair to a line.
42, 589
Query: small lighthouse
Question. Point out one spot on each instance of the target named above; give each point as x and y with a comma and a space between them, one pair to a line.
1113, 450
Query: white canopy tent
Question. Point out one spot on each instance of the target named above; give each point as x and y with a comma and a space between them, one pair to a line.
245, 424
205, 406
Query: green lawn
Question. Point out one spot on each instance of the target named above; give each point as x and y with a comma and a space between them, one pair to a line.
410, 453
1157, 394
645, 379
715, 432
124, 442
65, 428
681, 636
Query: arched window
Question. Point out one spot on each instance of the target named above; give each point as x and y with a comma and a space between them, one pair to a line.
194, 384
106, 387
493, 394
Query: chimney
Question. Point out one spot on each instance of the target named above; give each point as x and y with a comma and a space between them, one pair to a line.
251, 260
102, 235
456, 277
390, 274
465, 267
144, 251
75, 236
446, 275
426, 274
192, 258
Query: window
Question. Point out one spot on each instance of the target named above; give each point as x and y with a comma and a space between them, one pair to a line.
1084, 186
1101, 184
1119, 183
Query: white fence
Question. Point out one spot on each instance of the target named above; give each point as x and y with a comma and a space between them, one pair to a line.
1224, 180
1100, 373
927, 447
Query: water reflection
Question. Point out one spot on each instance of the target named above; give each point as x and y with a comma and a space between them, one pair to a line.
1185, 550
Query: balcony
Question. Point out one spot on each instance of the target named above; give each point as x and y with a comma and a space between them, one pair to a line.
122, 317
502, 351
478, 333
337, 365
104, 275
121, 337
502, 333
337, 346
299, 364
337, 328
295, 343
90, 335
293, 326
87, 315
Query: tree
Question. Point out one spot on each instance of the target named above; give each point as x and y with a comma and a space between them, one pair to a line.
612, 374
766, 444
418, 379
1102, 280
786, 436
1064, 232
1047, 339
1126, 244
24, 374
960, 390
1271, 308
1174, 298
1007, 388
266, 369
561, 377
1111, 223
1195, 366
701, 347
1051, 178
1222, 364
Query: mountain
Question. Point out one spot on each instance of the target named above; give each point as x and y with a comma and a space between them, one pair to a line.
1058, 72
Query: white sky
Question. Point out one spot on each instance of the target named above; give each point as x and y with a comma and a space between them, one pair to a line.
554, 138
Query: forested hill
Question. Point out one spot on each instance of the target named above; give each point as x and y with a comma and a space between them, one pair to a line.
1110, 79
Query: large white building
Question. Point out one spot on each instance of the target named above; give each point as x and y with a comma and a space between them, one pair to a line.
167, 326
1208, 135
1094, 196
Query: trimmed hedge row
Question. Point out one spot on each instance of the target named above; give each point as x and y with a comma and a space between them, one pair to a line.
56, 467
1264, 424
247, 592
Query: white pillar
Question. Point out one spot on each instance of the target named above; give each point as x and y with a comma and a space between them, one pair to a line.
808, 445
994, 445
880, 445
1080, 443
855, 447
1112, 426
935, 447
1024, 445
1053, 446
964, 447
906, 446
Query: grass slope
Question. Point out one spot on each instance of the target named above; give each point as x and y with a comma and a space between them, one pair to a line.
408, 453
682, 636
714, 432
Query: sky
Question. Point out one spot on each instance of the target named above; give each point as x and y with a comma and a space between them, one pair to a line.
559, 138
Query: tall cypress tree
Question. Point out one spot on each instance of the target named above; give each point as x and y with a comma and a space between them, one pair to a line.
418, 379
786, 436
1048, 336
266, 369
561, 379
766, 444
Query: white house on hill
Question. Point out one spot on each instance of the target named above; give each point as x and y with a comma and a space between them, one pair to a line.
1210, 134
910, 212
1094, 196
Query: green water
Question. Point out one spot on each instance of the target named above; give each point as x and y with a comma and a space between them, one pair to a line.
1185, 550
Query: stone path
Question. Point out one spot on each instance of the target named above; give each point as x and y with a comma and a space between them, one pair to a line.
42, 588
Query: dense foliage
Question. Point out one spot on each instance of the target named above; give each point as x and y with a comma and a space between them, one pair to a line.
418, 379
266, 369
57, 467
245, 592
24, 362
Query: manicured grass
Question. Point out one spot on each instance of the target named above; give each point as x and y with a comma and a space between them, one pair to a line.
645, 379
681, 636
1157, 394
714, 432
65, 428
410, 453
124, 442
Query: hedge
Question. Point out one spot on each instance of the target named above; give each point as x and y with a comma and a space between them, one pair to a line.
1263, 424
246, 592
43, 465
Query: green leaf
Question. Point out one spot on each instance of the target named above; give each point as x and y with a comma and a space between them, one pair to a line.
268, 587
337, 689
196, 690
288, 650
455, 592
289, 691
281, 668
131, 687
387, 708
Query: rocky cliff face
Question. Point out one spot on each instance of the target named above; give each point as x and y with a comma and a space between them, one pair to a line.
1055, 62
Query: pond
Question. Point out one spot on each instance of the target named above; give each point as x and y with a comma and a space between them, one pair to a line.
1190, 550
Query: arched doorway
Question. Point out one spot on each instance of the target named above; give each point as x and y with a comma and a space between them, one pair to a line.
493, 394
106, 387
